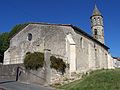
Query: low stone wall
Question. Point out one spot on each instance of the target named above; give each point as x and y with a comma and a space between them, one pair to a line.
32, 76
9, 72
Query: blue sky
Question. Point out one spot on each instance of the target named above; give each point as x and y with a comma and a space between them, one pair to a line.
76, 12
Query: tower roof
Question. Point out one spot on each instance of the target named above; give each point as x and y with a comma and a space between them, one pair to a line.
96, 11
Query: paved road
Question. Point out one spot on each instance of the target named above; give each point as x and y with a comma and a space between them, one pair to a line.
12, 85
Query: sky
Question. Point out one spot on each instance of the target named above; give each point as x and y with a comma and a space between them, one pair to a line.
76, 12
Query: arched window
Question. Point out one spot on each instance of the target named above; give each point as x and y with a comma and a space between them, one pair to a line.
98, 20
29, 36
81, 42
94, 21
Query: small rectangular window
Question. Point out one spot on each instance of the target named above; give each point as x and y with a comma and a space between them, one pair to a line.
95, 31
81, 42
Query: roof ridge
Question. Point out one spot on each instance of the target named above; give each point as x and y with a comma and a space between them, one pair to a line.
50, 23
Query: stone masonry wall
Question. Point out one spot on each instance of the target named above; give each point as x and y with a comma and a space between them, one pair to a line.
43, 36
9, 73
88, 55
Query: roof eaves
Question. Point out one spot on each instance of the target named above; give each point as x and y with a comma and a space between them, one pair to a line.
86, 34
51, 24
74, 27
41, 24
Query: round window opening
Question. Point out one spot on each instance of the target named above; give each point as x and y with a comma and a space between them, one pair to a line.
29, 36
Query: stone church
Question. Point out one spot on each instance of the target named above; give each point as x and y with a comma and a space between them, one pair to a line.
77, 48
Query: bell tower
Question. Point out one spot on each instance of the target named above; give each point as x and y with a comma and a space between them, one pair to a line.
97, 25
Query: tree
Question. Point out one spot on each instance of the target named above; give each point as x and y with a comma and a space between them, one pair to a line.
5, 38
4, 44
1, 58
17, 28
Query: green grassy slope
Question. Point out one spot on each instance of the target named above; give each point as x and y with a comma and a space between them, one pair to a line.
97, 80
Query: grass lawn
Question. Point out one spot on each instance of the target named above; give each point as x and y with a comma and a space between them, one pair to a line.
97, 80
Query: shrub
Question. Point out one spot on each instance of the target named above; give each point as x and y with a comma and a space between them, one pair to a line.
58, 64
34, 60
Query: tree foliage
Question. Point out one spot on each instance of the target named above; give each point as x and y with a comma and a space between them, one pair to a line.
4, 44
4, 41
58, 64
16, 29
5, 38
34, 60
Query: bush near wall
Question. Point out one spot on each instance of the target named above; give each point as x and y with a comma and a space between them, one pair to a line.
58, 64
34, 60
